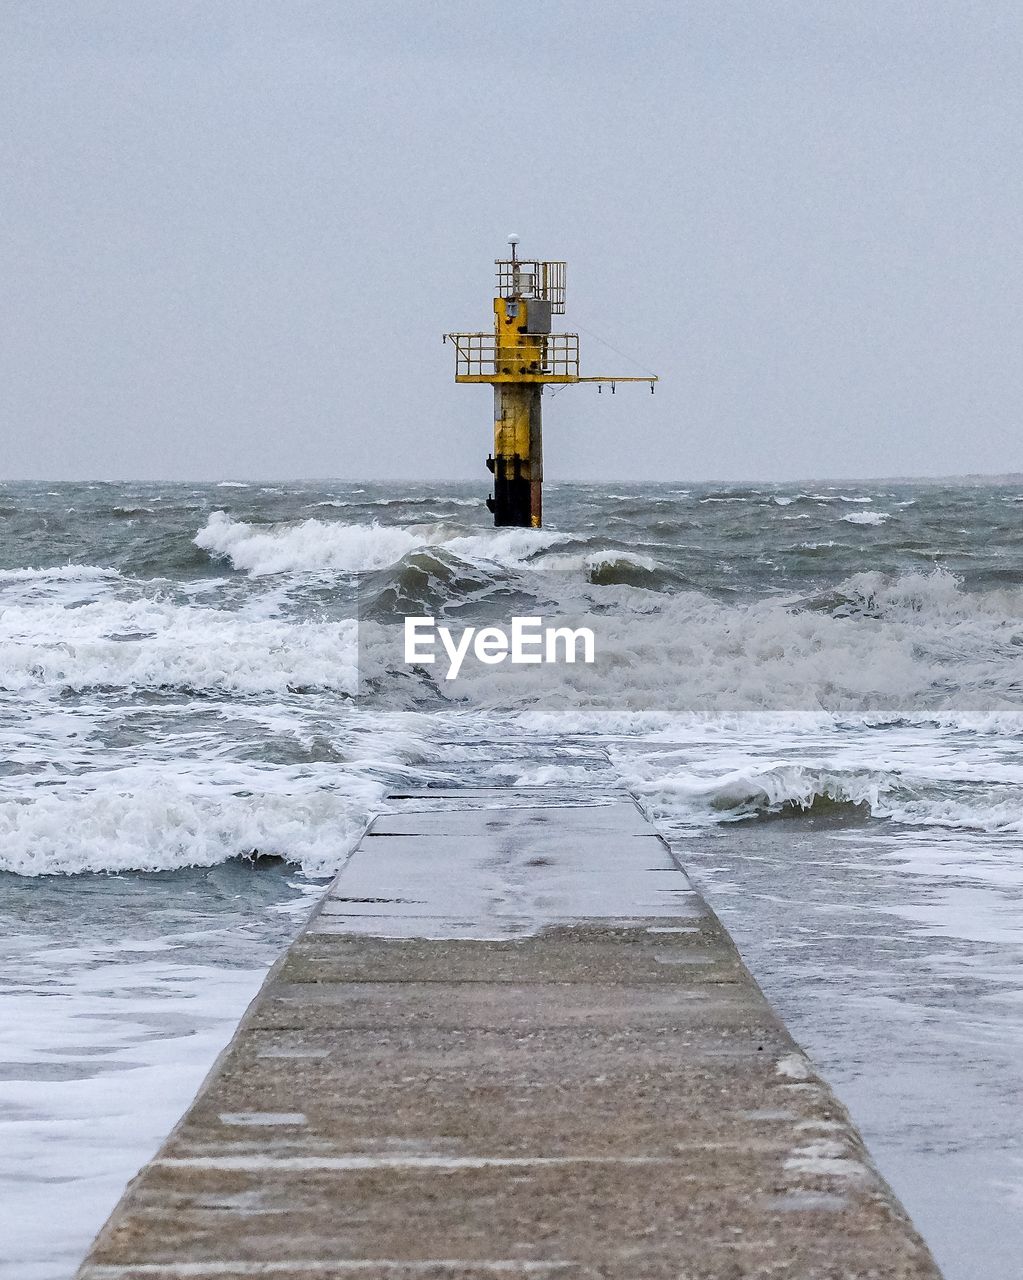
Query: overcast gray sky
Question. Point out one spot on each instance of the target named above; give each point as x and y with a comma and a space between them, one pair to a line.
232, 233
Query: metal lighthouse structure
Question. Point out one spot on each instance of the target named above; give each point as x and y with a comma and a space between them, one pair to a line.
519, 358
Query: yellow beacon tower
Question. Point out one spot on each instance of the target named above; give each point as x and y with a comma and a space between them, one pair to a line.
519, 359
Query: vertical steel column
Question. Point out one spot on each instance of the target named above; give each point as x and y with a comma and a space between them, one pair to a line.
517, 461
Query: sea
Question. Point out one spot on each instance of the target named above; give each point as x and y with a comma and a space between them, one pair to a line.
814, 690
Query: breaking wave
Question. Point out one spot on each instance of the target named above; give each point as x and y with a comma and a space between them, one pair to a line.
626, 568
313, 546
148, 819
157, 645
754, 791
925, 599
430, 581
689, 798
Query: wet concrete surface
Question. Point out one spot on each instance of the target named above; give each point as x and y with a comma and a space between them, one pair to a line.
511, 1041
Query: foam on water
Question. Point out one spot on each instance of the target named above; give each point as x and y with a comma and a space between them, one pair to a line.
909, 793
875, 645
154, 817
866, 517
312, 546
60, 573
140, 644
116, 1001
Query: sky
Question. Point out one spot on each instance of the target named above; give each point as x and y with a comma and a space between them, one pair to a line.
233, 232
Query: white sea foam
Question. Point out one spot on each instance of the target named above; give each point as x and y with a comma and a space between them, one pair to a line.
606, 559
153, 644
67, 585
898, 647
866, 517
154, 817
135, 1034
437, 500
511, 547
927, 776
312, 546
756, 788
934, 602
59, 573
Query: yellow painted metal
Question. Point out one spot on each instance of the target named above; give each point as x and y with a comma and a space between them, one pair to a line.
511, 422
520, 357
518, 353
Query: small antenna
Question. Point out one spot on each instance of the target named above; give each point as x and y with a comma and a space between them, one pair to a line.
513, 241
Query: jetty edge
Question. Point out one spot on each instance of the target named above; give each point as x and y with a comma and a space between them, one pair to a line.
512, 1040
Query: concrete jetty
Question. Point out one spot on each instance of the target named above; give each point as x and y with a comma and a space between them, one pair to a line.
512, 1041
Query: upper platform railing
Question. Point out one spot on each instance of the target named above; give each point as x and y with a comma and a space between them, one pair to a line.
532, 278
548, 357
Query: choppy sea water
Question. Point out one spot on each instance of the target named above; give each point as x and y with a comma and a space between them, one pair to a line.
816, 691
